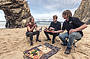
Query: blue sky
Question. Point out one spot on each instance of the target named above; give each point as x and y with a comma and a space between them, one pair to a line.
47, 8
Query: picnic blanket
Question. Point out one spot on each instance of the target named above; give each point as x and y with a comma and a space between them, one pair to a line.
41, 52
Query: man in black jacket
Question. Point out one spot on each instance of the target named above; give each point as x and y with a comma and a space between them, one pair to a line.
54, 26
74, 29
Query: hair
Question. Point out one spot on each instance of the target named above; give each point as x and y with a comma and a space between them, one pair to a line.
30, 19
55, 16
68, 13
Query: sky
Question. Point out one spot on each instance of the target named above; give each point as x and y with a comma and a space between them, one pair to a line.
48, 8
41, 9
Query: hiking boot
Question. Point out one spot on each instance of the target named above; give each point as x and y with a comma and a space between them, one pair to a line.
31, 43
38, 40
67, 51
48, 40
63, 44
53, 42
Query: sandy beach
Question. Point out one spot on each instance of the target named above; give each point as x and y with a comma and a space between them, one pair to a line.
13, 42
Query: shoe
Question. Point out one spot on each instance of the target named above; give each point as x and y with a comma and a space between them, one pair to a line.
53, 42
48, 40
67, 51
38, 40
63, 44
31, 43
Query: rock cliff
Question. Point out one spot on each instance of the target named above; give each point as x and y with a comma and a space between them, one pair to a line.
83, 12
16, 12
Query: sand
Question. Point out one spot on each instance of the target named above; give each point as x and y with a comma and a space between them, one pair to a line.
13, 42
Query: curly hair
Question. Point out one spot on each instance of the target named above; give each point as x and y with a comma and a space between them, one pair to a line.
68, 13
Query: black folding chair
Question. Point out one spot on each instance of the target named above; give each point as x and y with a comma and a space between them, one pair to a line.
75, 41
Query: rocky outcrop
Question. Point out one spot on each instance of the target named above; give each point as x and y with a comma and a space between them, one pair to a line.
16, 12
83, 12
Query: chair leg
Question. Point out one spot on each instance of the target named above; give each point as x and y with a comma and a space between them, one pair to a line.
74, 44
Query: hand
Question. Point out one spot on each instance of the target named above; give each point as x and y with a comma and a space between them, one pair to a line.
45, 29
72, 30
51, 28
54, 32
37, 29
35, 25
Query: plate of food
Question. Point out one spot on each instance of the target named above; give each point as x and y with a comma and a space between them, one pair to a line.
33, 54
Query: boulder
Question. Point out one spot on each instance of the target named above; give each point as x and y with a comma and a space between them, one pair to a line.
15, 12
83, 12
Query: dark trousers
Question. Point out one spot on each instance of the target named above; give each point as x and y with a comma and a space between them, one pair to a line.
54, 35
31, 34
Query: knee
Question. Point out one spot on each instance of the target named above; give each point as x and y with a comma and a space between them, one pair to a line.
38, 32
61, 36
71, 35
44, 31
29, 34
55, 34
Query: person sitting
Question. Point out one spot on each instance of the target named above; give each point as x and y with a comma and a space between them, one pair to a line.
30, 31
74, 29
54, 26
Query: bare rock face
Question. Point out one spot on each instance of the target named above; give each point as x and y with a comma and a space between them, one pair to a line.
17, 12
83, 12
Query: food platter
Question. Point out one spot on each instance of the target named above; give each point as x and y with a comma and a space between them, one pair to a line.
41, 52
